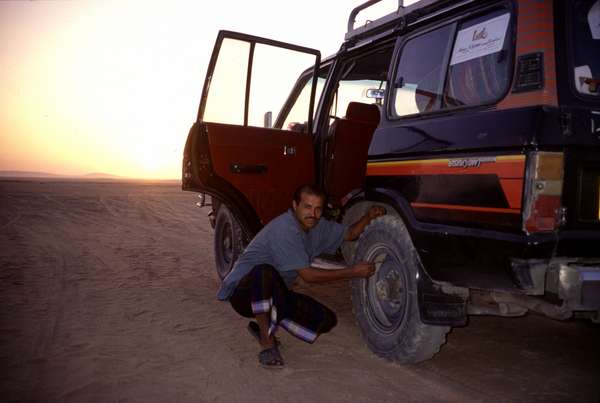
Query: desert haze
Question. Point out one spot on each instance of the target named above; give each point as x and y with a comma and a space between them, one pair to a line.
108, 291
48, 175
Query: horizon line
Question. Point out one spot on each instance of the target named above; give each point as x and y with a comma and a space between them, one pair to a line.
91, 175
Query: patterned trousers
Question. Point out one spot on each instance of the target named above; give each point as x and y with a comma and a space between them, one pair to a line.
264, 291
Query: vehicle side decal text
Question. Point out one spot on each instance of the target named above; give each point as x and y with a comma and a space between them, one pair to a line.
470, 162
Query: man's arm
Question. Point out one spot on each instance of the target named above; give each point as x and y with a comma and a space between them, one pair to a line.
360, 270
314, 275
358, 227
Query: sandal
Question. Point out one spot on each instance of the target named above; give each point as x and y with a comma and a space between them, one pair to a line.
271, 358
254, 331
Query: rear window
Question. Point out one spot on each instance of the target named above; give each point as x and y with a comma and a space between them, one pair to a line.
585, 40
479, 70
465, 63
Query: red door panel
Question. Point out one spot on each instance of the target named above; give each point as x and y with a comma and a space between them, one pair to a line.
249, 78
266, 165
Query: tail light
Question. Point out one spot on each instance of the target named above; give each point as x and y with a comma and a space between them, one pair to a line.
543, 192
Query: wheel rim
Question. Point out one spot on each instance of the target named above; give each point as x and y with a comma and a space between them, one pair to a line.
385, 293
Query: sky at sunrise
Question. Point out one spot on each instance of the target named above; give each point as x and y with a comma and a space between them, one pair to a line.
114, 86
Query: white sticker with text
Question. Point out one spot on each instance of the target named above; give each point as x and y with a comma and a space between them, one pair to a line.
480, 40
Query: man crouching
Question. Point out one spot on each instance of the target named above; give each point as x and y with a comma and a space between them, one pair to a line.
259, 285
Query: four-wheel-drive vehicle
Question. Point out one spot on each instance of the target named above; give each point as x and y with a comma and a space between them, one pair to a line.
475, 123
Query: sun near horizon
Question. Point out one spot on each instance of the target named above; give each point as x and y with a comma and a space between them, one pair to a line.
114, 86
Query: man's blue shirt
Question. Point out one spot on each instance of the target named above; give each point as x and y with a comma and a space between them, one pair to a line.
284, 245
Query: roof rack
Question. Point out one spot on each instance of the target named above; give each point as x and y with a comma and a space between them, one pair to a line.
380, 24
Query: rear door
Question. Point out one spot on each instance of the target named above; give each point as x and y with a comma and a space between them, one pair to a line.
247, 83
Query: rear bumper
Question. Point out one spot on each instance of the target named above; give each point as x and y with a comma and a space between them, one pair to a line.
573, 283
576, 283
559, 289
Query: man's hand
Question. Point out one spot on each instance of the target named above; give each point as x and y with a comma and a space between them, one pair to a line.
358, 227
376, 211
363, 270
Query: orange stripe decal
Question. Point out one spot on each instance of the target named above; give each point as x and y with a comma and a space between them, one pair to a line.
504, 167
509, 169
512, 189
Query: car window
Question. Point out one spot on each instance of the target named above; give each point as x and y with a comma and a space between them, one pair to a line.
362, 79
585, 42
354, 91
296, 116
272, 81
479, 70
272, 75
228, 85
459, 64
420, 74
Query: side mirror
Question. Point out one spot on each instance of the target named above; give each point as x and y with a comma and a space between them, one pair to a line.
375, 93
268, 120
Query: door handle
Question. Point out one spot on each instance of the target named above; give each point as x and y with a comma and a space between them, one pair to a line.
289, 150
248, 169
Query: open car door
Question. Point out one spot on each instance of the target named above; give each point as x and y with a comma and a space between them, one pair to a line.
232, 152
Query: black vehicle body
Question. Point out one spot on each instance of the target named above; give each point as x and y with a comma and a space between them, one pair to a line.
499, 190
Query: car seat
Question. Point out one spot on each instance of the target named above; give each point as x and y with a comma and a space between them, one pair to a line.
347, 150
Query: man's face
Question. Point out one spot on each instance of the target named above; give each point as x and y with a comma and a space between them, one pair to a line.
308, 211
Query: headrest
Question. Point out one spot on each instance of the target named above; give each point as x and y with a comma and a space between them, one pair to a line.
363, 112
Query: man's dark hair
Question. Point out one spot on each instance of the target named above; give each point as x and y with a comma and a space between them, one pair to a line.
309, 190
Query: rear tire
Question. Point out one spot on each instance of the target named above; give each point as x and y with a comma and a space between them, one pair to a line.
229, 241
386, 304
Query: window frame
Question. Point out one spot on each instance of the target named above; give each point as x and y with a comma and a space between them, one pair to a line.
329, 93
292, 98
456, 20
253, 40
569, 37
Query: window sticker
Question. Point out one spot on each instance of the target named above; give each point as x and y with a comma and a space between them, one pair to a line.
582, 75
593, 18
480, 40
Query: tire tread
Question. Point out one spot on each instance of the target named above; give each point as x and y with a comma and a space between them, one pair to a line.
417, 341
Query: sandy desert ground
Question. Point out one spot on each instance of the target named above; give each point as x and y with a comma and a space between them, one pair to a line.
107, 293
